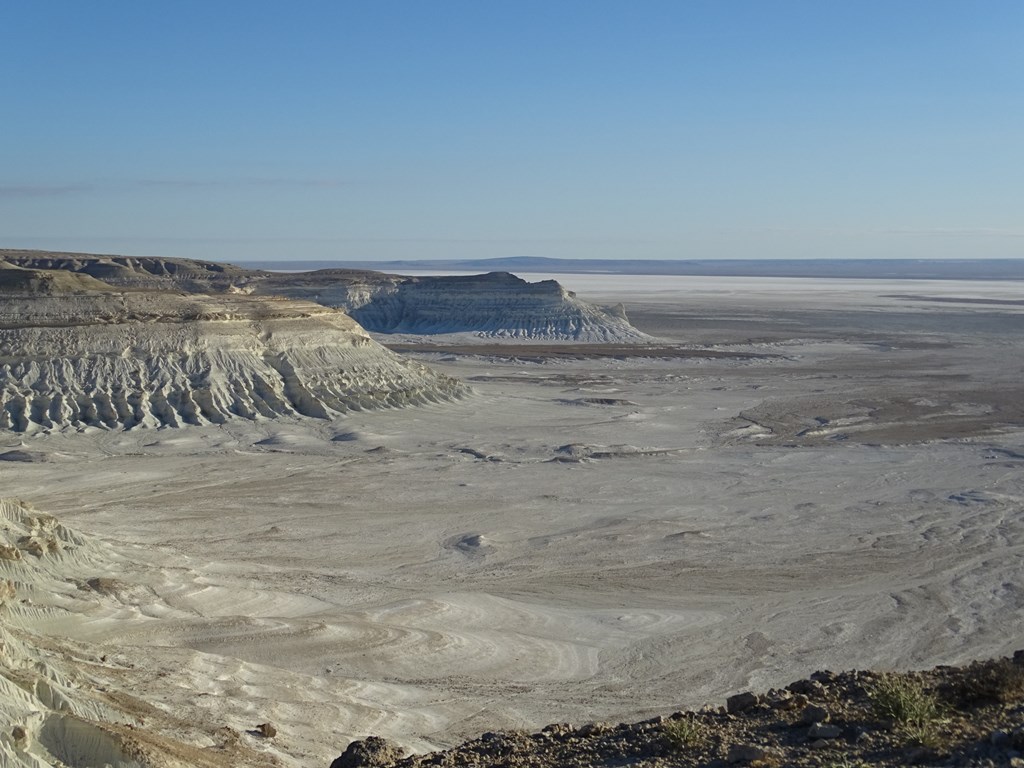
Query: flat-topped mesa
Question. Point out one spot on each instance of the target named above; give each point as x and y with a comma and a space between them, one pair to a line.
493, 305
122, 359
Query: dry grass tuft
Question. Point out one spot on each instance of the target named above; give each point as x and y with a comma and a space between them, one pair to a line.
903, 700
910, 705
685, 733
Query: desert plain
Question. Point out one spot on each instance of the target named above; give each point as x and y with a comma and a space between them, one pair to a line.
807, 474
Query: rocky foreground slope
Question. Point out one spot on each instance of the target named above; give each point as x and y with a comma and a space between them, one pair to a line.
949, 716
75, 352
495, 305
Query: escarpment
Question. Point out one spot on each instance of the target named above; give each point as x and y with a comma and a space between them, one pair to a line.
121, 359
495, 305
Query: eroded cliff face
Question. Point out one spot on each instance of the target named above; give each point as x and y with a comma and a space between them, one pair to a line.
122, 359
495, 305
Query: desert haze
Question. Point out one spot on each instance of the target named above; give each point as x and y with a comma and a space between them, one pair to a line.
806, 474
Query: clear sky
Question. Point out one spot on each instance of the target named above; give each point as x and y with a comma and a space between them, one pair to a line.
379, 129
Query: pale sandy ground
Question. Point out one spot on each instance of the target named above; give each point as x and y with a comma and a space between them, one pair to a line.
431, 573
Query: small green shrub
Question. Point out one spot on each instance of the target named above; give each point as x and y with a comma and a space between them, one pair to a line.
904, 700
684, 733
910, 705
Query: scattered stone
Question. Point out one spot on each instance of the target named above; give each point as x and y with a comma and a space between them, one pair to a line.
557, 730
745, 753
371, 752
824, 676
594, 729
779, 700
806, 687
19, 736
814, 714
266, 730
741, 702
824, 731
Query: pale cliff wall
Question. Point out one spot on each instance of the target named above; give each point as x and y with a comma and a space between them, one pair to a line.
120, 360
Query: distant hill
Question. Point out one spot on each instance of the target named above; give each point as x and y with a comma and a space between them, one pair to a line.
932, 269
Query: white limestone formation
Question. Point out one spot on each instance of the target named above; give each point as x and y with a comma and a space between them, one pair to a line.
497, 305
85, 355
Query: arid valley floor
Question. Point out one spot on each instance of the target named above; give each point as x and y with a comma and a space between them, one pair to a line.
819, 475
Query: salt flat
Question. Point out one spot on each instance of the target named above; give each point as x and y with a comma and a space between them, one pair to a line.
577, 539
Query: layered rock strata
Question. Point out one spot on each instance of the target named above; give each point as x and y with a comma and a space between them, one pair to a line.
96, 357
495, 305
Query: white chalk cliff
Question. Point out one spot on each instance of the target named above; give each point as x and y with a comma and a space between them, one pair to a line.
77, 353
494, 305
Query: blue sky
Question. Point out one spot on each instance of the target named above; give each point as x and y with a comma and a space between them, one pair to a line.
429, 129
